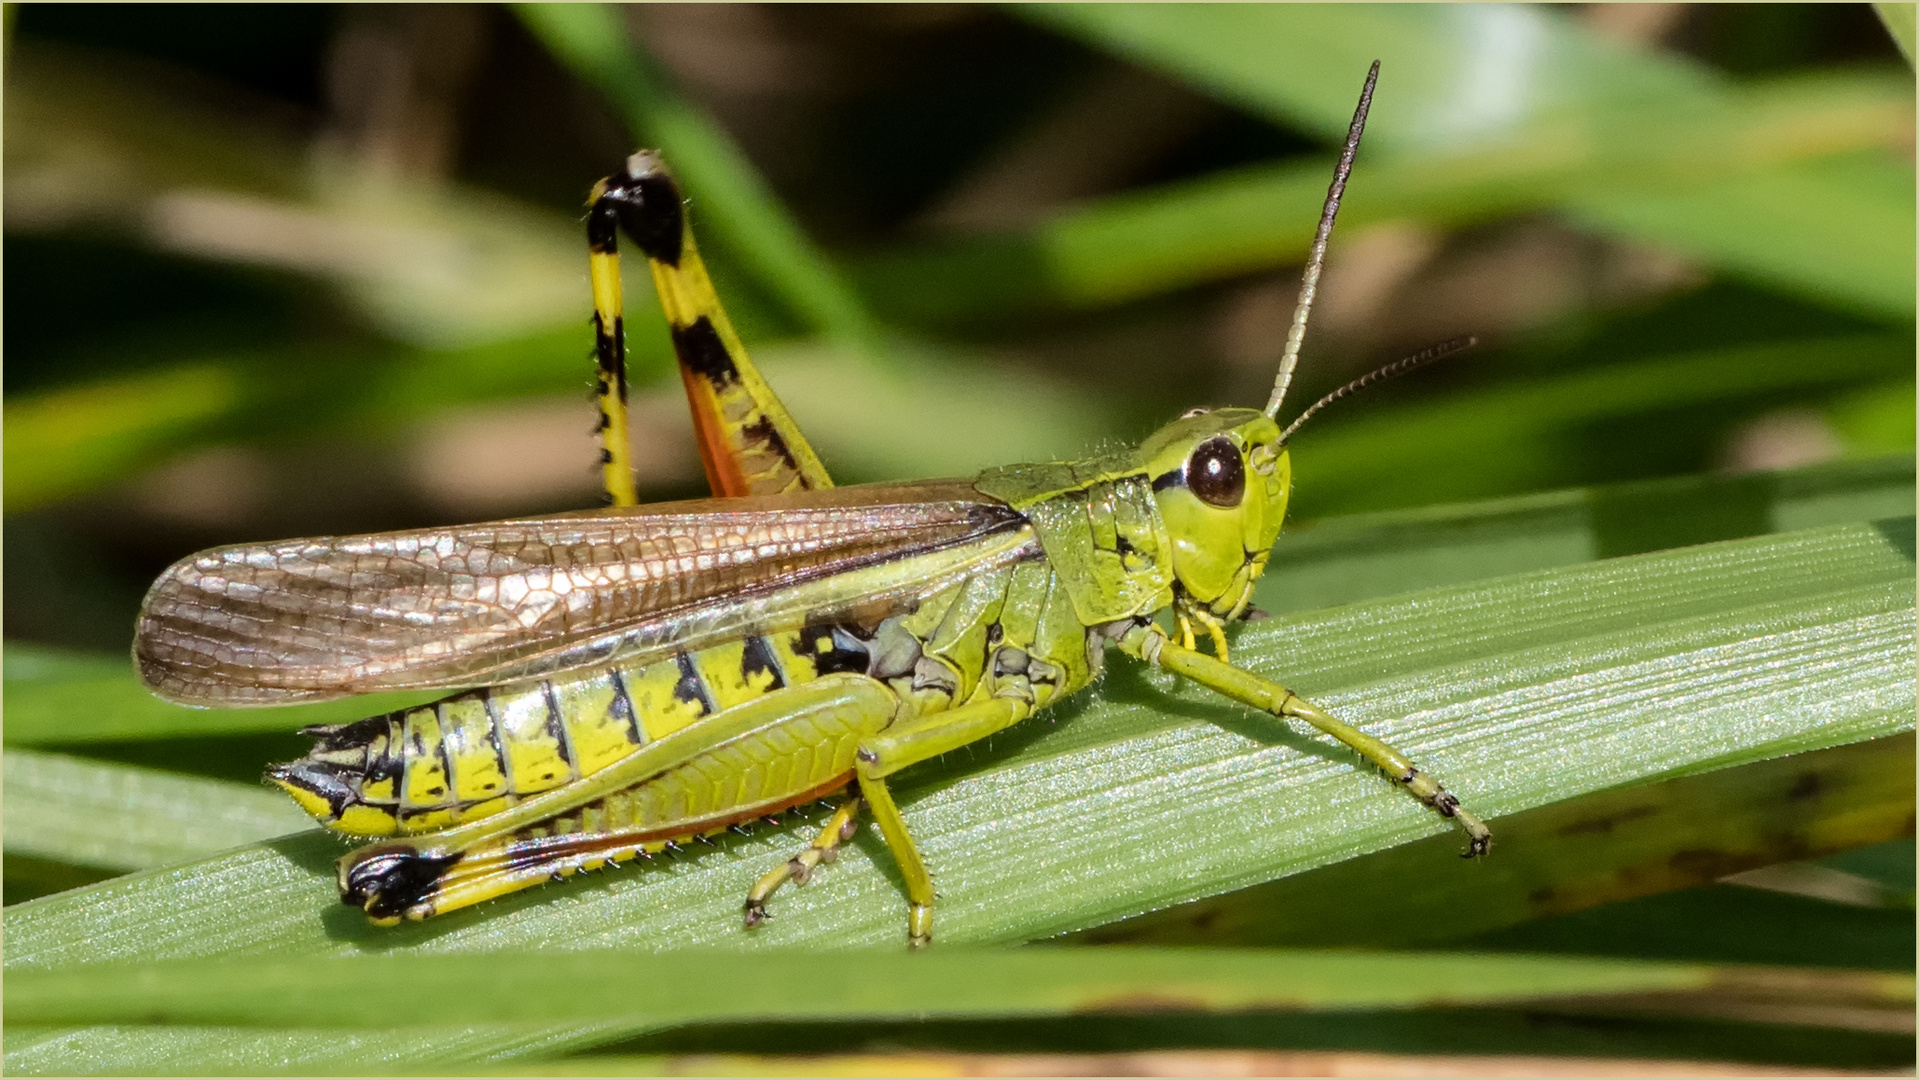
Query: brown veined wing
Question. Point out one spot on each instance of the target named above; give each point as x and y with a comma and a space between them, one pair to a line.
310, 620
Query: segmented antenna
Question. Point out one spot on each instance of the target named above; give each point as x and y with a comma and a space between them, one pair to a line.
1398, 367
1310, 285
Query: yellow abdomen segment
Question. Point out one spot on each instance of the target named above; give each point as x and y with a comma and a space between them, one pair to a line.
478, 752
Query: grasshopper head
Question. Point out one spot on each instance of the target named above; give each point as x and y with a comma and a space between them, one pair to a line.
1220, 478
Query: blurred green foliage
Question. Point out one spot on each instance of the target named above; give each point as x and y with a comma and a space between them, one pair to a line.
294, 269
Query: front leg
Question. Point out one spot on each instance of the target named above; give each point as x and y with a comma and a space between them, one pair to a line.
1149, 643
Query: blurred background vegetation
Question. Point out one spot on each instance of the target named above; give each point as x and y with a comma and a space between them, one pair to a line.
276, 270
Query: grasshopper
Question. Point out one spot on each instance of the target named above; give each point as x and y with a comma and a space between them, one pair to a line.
637, 676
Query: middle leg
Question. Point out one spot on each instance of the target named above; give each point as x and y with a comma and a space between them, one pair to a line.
908, 743
824, 849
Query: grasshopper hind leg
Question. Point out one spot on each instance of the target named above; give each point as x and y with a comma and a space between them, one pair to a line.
388, 880
799, 869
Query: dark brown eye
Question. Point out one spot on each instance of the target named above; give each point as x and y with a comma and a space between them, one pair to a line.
1216, 474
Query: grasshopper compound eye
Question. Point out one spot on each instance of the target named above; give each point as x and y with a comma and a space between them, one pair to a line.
1216, 474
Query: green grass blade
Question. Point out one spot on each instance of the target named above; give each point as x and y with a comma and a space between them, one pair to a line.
1567, 856
1845, 219
1900, 24
1517, 692
71, 439
737, 205
1303, 64
1633, 143
1479, 442
654, 990
58, 697
598, 998
1360, 556
188, 1050
1829, 228
117, 817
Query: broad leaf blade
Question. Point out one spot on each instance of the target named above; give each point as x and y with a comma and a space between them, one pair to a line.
653, 990
1567, 856
318, 1015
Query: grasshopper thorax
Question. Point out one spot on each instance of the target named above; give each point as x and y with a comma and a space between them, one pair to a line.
1220, 478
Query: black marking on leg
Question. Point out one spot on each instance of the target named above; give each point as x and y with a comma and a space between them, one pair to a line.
691, 688
757, 657
648, 208
603, 227
762, 431
609, 352
1446, 803
756, 913
608, 345
702, 352
386, 882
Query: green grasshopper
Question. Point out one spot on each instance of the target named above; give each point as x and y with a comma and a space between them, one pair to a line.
636, 676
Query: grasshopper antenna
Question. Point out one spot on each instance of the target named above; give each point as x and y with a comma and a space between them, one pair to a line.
1398, 367
1317, 259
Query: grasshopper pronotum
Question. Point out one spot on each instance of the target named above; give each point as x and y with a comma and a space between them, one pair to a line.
650, 674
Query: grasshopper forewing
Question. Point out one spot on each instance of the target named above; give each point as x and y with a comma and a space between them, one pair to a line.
636, 676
